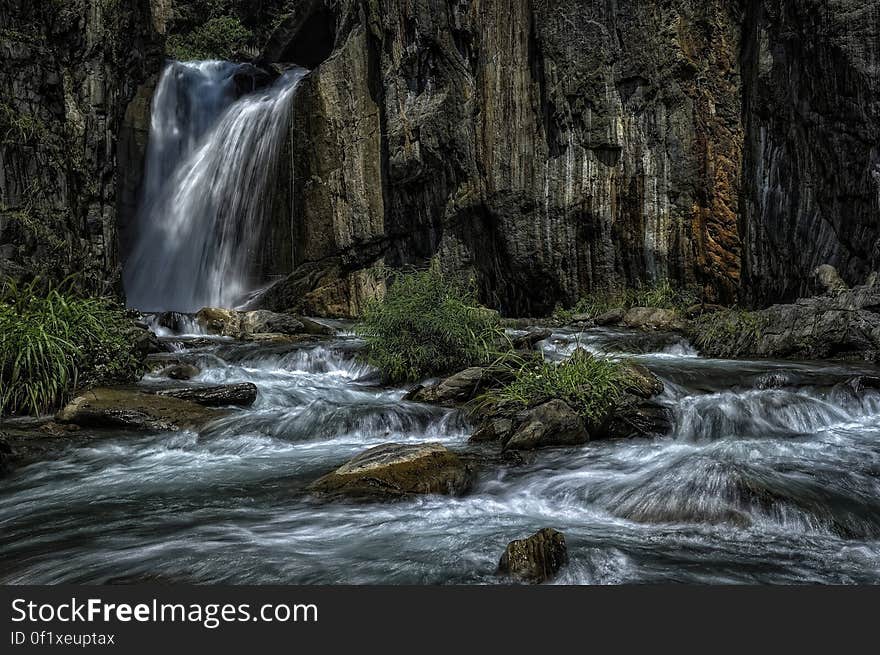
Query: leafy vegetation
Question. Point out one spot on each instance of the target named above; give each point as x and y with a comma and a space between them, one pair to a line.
52, 342
661, 295
591, 386
217, 38
428, 324
727, 333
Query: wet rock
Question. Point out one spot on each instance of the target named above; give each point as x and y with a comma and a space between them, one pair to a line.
530, 339
635, 417
175, 321
582, 318
553, 423
535, 559
225, 395
262, 322
613, 317
146, 343
862, 383
460, 387
493, 429
641, 382
310, 326
396, 470
653, 318
774, 380
845, 325
219, 321
828, 280
129, 409
180, 371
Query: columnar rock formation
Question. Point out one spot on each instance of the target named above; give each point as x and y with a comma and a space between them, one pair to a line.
549, 148
69, 73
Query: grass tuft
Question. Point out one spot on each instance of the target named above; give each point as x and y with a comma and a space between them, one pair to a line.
428, 324
592, 386
52, 342
660, 295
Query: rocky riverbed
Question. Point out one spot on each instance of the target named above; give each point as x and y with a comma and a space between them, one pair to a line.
766, 473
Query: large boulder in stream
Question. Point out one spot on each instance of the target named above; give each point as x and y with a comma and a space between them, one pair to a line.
553, 423
843, 324
459, 387
131, 409
224, 395
256, 324
535, 559
397, 470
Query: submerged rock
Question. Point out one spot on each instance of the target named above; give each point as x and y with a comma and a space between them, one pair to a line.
395, 470
180, 371
535, 559
553, 423
104, 407
224, 395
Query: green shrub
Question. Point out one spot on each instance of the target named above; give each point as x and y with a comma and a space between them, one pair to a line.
53, 342
591, 386
218, 38
729, 333
660, 295
428, 324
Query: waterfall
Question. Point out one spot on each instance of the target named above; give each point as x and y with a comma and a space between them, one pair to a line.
208, 187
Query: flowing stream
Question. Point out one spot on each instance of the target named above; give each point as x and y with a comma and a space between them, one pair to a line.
208, 187
771, 475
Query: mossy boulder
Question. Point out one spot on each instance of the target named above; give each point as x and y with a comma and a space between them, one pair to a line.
131, 409
398, 470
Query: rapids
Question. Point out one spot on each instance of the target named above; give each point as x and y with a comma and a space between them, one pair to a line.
772, 475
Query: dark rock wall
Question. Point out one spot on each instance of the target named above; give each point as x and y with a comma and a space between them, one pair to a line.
548, 147
811, 185
68, 72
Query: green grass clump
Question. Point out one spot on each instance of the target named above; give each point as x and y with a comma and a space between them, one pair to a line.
428, 324
729, 334
53, 342
217, 38
591, 386
660, 295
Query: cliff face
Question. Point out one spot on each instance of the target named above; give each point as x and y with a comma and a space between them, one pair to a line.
548, 147
811, 185
68, 72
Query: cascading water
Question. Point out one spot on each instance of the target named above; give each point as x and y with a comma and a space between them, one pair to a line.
208, 190
770, 475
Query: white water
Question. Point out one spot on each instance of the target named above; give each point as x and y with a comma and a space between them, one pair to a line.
756, 483
208, 189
